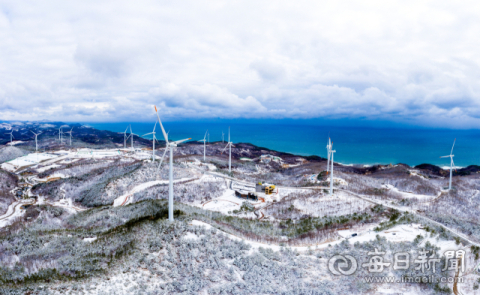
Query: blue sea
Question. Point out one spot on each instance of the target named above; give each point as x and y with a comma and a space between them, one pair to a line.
362, 145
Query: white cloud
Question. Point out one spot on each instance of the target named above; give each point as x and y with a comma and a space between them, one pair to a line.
405, 61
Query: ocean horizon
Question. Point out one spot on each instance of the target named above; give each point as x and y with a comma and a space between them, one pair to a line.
354, 145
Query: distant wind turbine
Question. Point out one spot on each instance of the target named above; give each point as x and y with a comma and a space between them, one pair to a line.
36, 134
204, 148
451, 164
229, 145
132, 134
331, 171
70, 132
125, 138
11, 136
153, 140
169, 145
329, 151
60, 134
223, 141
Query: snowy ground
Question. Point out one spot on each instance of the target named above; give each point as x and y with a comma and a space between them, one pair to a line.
255, 245
66, 204
399, 233
14, 211
125, 199
225, 203
410, 195
340, 203
15, 142
45, 168
27, 160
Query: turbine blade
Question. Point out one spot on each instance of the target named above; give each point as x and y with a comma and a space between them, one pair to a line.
155, 126
180, 141
161, 161
453, 145
147, 134
225, 148
445, 156
161, 125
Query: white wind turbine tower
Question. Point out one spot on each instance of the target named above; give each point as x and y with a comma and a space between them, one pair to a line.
36, 145
451, 165
11, 136
153, 140
204, 143
60, 134
331, 170
222, 137
169, 145
329, 151
70, 132
229, 145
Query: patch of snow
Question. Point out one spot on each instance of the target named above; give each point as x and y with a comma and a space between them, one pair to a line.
89, 239
15, 142
191, 236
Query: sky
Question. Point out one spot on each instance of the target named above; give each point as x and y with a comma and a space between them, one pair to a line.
406, 62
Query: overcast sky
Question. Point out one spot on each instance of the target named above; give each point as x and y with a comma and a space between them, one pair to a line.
414, 62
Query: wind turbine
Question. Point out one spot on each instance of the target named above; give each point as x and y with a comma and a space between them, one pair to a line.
451, 165
208, 137
36, 145
223, 141
11, 136
229, 145
169, 145
132, 134
329, 151
331, 171
70, 132
125, 138
204, 148
153, 140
